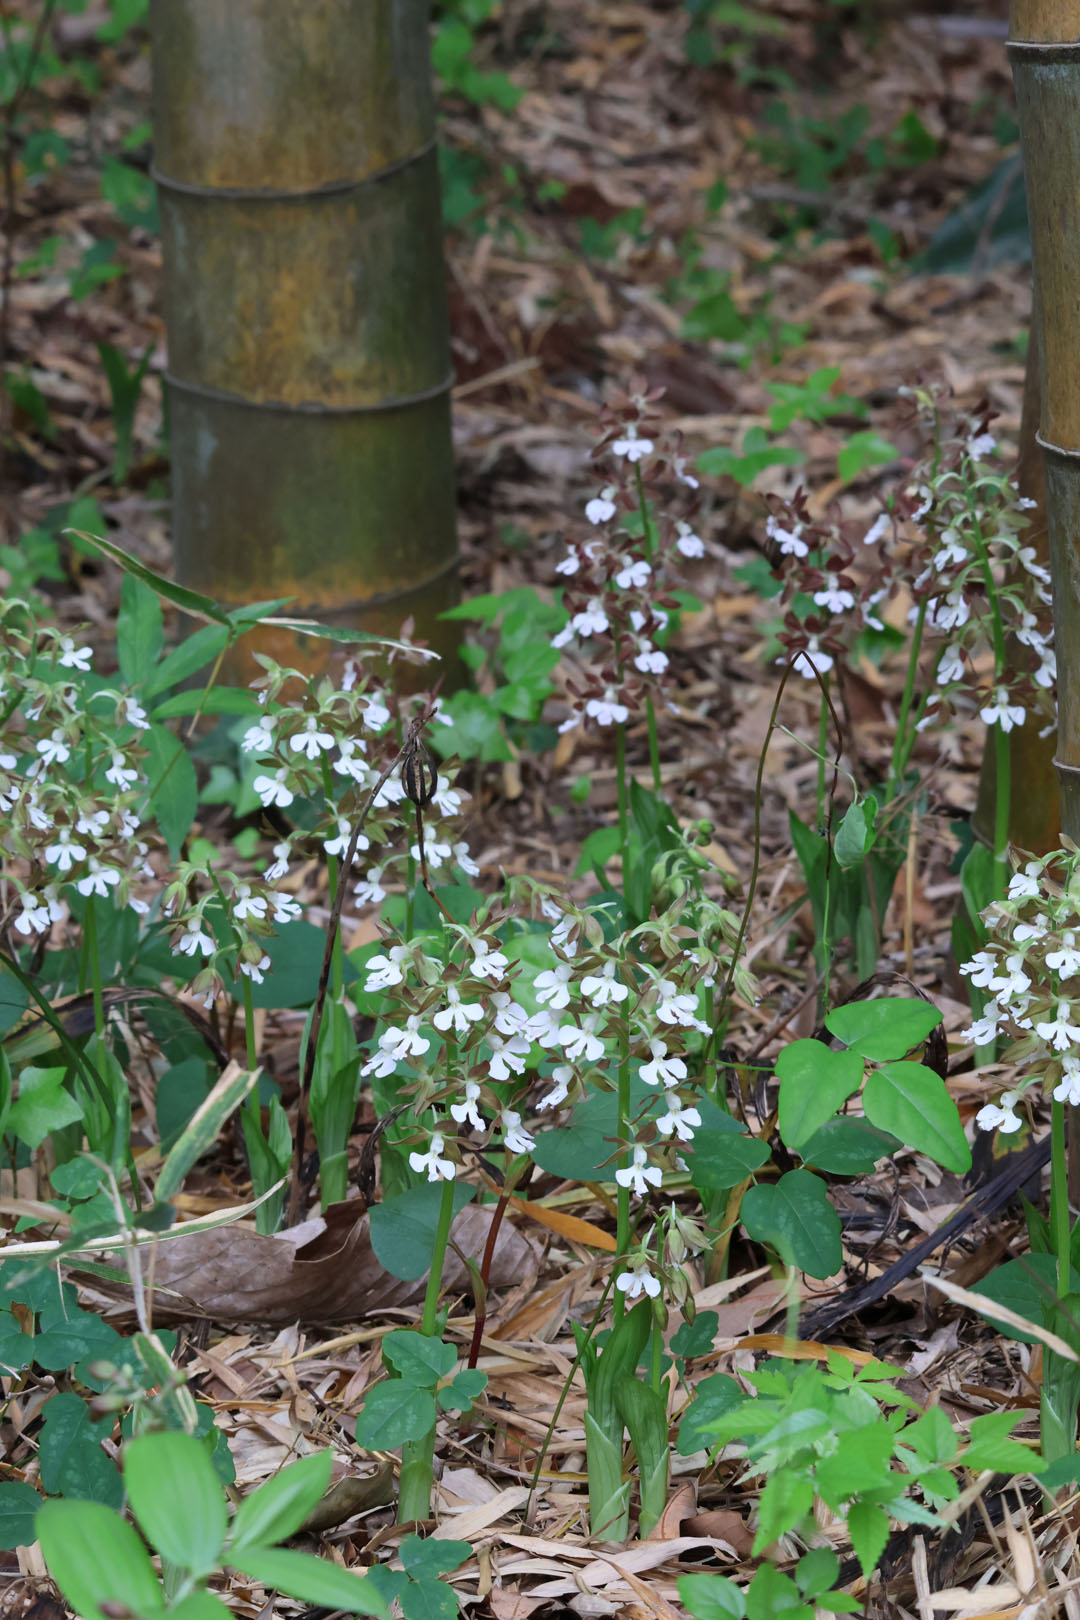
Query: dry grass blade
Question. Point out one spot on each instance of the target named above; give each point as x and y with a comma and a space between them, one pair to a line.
1000, 1313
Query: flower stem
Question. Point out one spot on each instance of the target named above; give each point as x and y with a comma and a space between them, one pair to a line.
418, 1456
657, 1358
624, 819
622, 1204
438, 1258
334, 877
1002, 806
1059, 1198
654, 742
901, 745
94, 958
823, 744
647, 541
249, 1022
1002, 762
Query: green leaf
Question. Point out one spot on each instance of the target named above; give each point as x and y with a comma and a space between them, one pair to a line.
772, 1596
725, 1157
276, 1510
847, 1147
200, 607
1025, 1286
95, 1557
785, 1501
816, 1571
67, 1334
42, 1105
427, 1599
855, 834
860, 1463
312, 1580
910, 1102
88, 1475
176, 1499
887, 1028
200, 1606
696, 1338
197, 650
18, 1505
139, 634
477, 731
394, 1413
403, 1228
292, 979
711, 1597
66, 1424
222, 700
174, 791
863, 450
419, 1360
422, 1556
462, 1390
868, 1527
815, 1082
795, 1217
713, 1398
14, 999
989, 1445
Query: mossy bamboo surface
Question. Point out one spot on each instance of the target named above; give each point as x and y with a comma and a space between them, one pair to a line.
1044, 50
305, 303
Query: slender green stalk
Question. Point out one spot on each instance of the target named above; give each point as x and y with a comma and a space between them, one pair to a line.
438, 1259
418, 1456
249, 1022
1060, 1224
622, 1130
902, 745
334, 876
823, 744
656, 1359
624, 817
410, 895
654, 743
650, 548
90, 936
1002, 764
1002, 806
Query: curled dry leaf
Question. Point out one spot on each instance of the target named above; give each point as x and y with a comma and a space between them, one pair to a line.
323, 1270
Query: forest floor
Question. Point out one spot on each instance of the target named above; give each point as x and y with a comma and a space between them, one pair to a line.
554, 304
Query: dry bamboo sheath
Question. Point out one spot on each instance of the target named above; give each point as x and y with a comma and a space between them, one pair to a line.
305, 303
1044, 51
